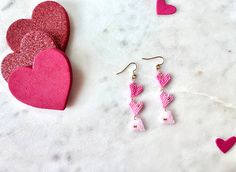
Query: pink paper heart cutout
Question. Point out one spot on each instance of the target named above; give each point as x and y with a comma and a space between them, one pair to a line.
47, 84
168, 119
136, 107
166, 99
49, 17
135, 89
137, 125
31, 44
225, 145
163, 79
163, 8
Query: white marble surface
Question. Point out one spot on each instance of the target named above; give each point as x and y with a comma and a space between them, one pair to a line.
92, 135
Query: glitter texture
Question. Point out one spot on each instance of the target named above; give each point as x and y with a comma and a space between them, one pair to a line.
49, 17
31, 44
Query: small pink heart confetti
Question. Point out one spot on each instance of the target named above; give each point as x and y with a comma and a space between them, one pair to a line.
135, 89
163, 79
165, 9
166, 99
225, 145
137, 125
136, 107
168, 118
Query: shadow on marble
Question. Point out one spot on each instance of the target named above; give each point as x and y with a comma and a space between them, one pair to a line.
78, 77
77, 83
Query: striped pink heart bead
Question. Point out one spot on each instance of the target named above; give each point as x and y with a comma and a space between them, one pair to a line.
166, 99
135, 89
163, 79
136, 107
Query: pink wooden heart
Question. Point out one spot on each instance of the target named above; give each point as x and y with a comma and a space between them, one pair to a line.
137, 125
163, 8
225, 145
46, 84
166, 99
163, 79
136, 107
135, 89
168, 118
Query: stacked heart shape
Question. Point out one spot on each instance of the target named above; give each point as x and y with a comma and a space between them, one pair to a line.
38, 71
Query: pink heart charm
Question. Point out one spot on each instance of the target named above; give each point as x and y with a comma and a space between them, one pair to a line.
45, 85
137, 125
163, 8
163, 79
136, 107
225, 145
135, 89
168, 119
166, 99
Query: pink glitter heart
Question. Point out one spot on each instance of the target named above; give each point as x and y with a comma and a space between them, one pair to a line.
166, 99
137, 125
136, 107
135, 89
164, 9
49, 17
225, 145
31, 44
163, 79
168, 118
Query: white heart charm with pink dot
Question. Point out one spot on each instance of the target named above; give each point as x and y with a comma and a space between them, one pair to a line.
137, 125
168, 118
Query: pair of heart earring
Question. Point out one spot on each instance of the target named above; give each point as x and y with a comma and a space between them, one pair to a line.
136, 89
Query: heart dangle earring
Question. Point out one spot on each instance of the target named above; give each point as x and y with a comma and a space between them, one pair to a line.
166, 99
136, 107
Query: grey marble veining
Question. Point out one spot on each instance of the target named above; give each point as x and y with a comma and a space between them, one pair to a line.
92, 134
8, 5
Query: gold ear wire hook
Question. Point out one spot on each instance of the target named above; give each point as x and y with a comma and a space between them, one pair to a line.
134, 75
158, 66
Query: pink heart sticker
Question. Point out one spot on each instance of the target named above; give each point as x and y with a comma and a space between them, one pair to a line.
135, 89
168, 118
163, 79
166, 99
137, 125
136, 107
46, 84
163, 8
225, 145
